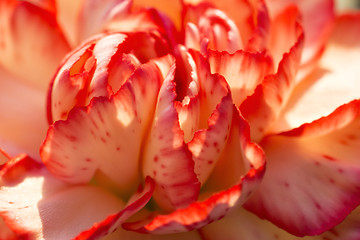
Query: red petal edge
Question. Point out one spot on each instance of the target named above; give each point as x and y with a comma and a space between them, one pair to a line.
111, 223
199, 214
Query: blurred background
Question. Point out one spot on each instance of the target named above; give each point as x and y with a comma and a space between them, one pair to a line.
343, 5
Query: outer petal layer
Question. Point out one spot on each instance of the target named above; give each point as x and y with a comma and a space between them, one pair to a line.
312, 180
31, 42
333, 83
50, 204
263, 108
23, 118
242, 224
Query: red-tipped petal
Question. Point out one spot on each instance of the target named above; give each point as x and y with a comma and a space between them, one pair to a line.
313, 175
166, 154
107, 136
35, 205
263, 108
284, 33
216, 108
333, 83
31, 42
111, 223
243, 71
212, 25
317, 16
199, 214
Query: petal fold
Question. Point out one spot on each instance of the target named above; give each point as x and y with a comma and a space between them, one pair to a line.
313, 174
115, 128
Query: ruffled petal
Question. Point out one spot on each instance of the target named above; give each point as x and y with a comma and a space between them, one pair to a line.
114, 128
31, 42
333, 83
312, 180
263, 108
242, 224
212, 27
243, 71
252, 21
23, 117
215, 116
50, 206
250, 168
111, 223
166, 154
284, 33
99, 68
318, 17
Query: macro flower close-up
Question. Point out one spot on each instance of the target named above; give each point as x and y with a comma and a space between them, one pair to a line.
183, 119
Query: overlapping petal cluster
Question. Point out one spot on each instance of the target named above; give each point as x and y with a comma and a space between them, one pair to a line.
130, 119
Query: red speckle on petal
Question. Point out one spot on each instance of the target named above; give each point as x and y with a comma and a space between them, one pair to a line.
156, 159
210, 162
118, 149
352, 137
103, 140
107, 134
88, 159
318, 206
162, 166
71, 138
286, 184
329, 157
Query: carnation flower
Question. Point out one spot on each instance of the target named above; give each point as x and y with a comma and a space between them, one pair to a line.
196, 119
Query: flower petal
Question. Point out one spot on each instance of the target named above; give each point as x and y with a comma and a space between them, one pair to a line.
114, 128
50, 204
313, 174
242, 224
27, 29
201, 213
101, 13
263, 108
252, 21
284, 33
213, 26
215, 116
99, 68
317, 18
67, 14
19, 102
129, 235
172, 10
166, 154
111, 223
332, 83
243, 71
